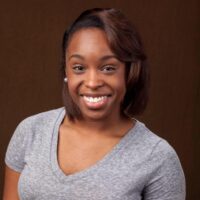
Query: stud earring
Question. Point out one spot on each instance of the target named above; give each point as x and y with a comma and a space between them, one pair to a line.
65, 79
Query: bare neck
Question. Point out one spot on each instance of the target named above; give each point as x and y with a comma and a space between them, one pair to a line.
101, 127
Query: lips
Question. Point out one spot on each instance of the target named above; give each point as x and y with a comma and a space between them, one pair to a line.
95, 101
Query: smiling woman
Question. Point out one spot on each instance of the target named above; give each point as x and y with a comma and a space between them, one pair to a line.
96, 77
122, 42
94, 148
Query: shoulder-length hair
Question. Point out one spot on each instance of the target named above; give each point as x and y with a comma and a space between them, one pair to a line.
125, 42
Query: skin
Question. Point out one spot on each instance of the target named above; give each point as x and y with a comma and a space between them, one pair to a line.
92, 69
10, 184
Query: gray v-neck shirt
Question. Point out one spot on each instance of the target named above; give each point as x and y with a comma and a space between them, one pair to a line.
142, 166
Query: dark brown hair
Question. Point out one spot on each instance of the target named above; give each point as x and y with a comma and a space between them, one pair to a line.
125, 42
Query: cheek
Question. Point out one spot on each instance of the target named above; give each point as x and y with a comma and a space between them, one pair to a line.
118, 84
122, 90
74, 84
120, 79
122, 86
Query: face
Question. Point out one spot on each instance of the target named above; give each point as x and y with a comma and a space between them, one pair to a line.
96, 78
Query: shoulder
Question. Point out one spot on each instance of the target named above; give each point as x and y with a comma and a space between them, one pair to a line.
41, 119
44, 116
31, 129
151, 148
144, 141
159, 161
160, 147
151, 141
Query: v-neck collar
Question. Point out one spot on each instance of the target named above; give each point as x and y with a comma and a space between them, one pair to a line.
93, 168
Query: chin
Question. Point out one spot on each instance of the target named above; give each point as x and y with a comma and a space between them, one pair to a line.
96, 116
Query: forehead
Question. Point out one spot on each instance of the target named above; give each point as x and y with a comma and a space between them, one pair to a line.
89, 41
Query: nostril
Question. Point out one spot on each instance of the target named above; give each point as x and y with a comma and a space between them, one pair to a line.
94, 83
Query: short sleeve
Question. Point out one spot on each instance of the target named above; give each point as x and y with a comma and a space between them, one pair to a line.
16, 150
167, 182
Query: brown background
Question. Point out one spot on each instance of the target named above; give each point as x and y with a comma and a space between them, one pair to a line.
30, 38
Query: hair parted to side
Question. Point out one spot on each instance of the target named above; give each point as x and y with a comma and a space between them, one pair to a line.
126, 44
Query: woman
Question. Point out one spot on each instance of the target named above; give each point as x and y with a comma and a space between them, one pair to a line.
93, 149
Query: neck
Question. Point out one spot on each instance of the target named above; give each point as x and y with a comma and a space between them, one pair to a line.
104, 127
98, 125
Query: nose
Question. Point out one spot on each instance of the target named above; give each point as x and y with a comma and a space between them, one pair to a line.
93, 80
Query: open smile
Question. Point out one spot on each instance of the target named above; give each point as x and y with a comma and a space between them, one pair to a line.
95, 101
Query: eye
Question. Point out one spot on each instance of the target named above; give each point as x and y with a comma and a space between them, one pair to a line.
108, 69
78, 68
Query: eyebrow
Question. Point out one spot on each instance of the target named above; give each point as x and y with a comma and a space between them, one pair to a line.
103, 58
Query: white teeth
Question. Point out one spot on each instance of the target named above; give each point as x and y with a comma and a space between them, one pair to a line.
94, 99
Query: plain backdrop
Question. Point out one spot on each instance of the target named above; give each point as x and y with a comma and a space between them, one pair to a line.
30, 48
